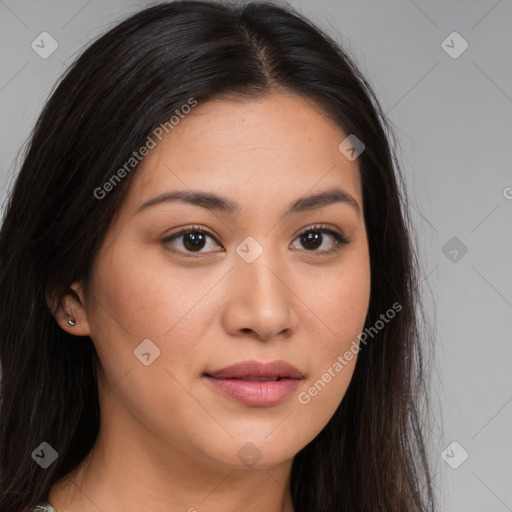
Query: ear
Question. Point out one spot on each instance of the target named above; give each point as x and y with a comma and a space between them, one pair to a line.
72, 306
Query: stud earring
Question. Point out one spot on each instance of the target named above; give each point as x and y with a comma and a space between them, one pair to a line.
71, 322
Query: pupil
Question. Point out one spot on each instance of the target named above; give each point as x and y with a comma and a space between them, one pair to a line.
311, 238
196, 240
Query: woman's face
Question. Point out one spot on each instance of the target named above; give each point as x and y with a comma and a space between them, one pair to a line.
165, 310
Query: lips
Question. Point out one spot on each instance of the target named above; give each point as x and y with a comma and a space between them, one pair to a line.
256, 384
254, 371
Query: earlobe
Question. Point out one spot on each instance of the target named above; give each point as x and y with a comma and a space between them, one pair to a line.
70, 313
71, 322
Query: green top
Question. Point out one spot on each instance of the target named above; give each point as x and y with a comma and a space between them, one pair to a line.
43, 507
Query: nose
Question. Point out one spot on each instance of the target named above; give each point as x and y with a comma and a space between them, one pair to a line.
261, 300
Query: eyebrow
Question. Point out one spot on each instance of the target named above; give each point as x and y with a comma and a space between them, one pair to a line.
214, 202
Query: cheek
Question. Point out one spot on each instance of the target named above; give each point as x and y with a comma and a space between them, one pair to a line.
148, 296
135, 301
340, 299
138, 298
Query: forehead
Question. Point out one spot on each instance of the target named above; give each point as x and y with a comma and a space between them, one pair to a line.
278, 146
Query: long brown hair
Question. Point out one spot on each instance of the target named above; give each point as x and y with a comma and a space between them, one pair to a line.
371, 456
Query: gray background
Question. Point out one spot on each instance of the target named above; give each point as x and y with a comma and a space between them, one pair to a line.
453, 117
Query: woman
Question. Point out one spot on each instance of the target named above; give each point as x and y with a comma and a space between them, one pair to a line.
209, 286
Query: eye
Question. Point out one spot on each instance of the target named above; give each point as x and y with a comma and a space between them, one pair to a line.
194, 239
313, 237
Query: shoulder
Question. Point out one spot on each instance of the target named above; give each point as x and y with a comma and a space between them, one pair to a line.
43, 507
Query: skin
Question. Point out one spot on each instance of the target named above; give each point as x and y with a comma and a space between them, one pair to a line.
168, 439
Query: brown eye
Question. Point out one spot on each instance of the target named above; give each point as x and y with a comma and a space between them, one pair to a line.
313, 238
194, 240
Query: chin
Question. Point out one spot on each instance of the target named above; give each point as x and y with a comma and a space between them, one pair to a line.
252, 454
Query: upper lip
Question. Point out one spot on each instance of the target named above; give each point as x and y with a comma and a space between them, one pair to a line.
270, 369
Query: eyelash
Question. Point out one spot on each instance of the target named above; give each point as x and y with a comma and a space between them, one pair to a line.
340, 240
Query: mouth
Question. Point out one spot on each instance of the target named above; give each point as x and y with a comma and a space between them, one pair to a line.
256, 384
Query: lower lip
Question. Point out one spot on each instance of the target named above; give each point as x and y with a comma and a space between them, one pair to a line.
257, 393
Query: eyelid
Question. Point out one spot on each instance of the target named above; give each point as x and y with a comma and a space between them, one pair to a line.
192, 229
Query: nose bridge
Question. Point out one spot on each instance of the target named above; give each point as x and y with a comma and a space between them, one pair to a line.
262, 269
261, 285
